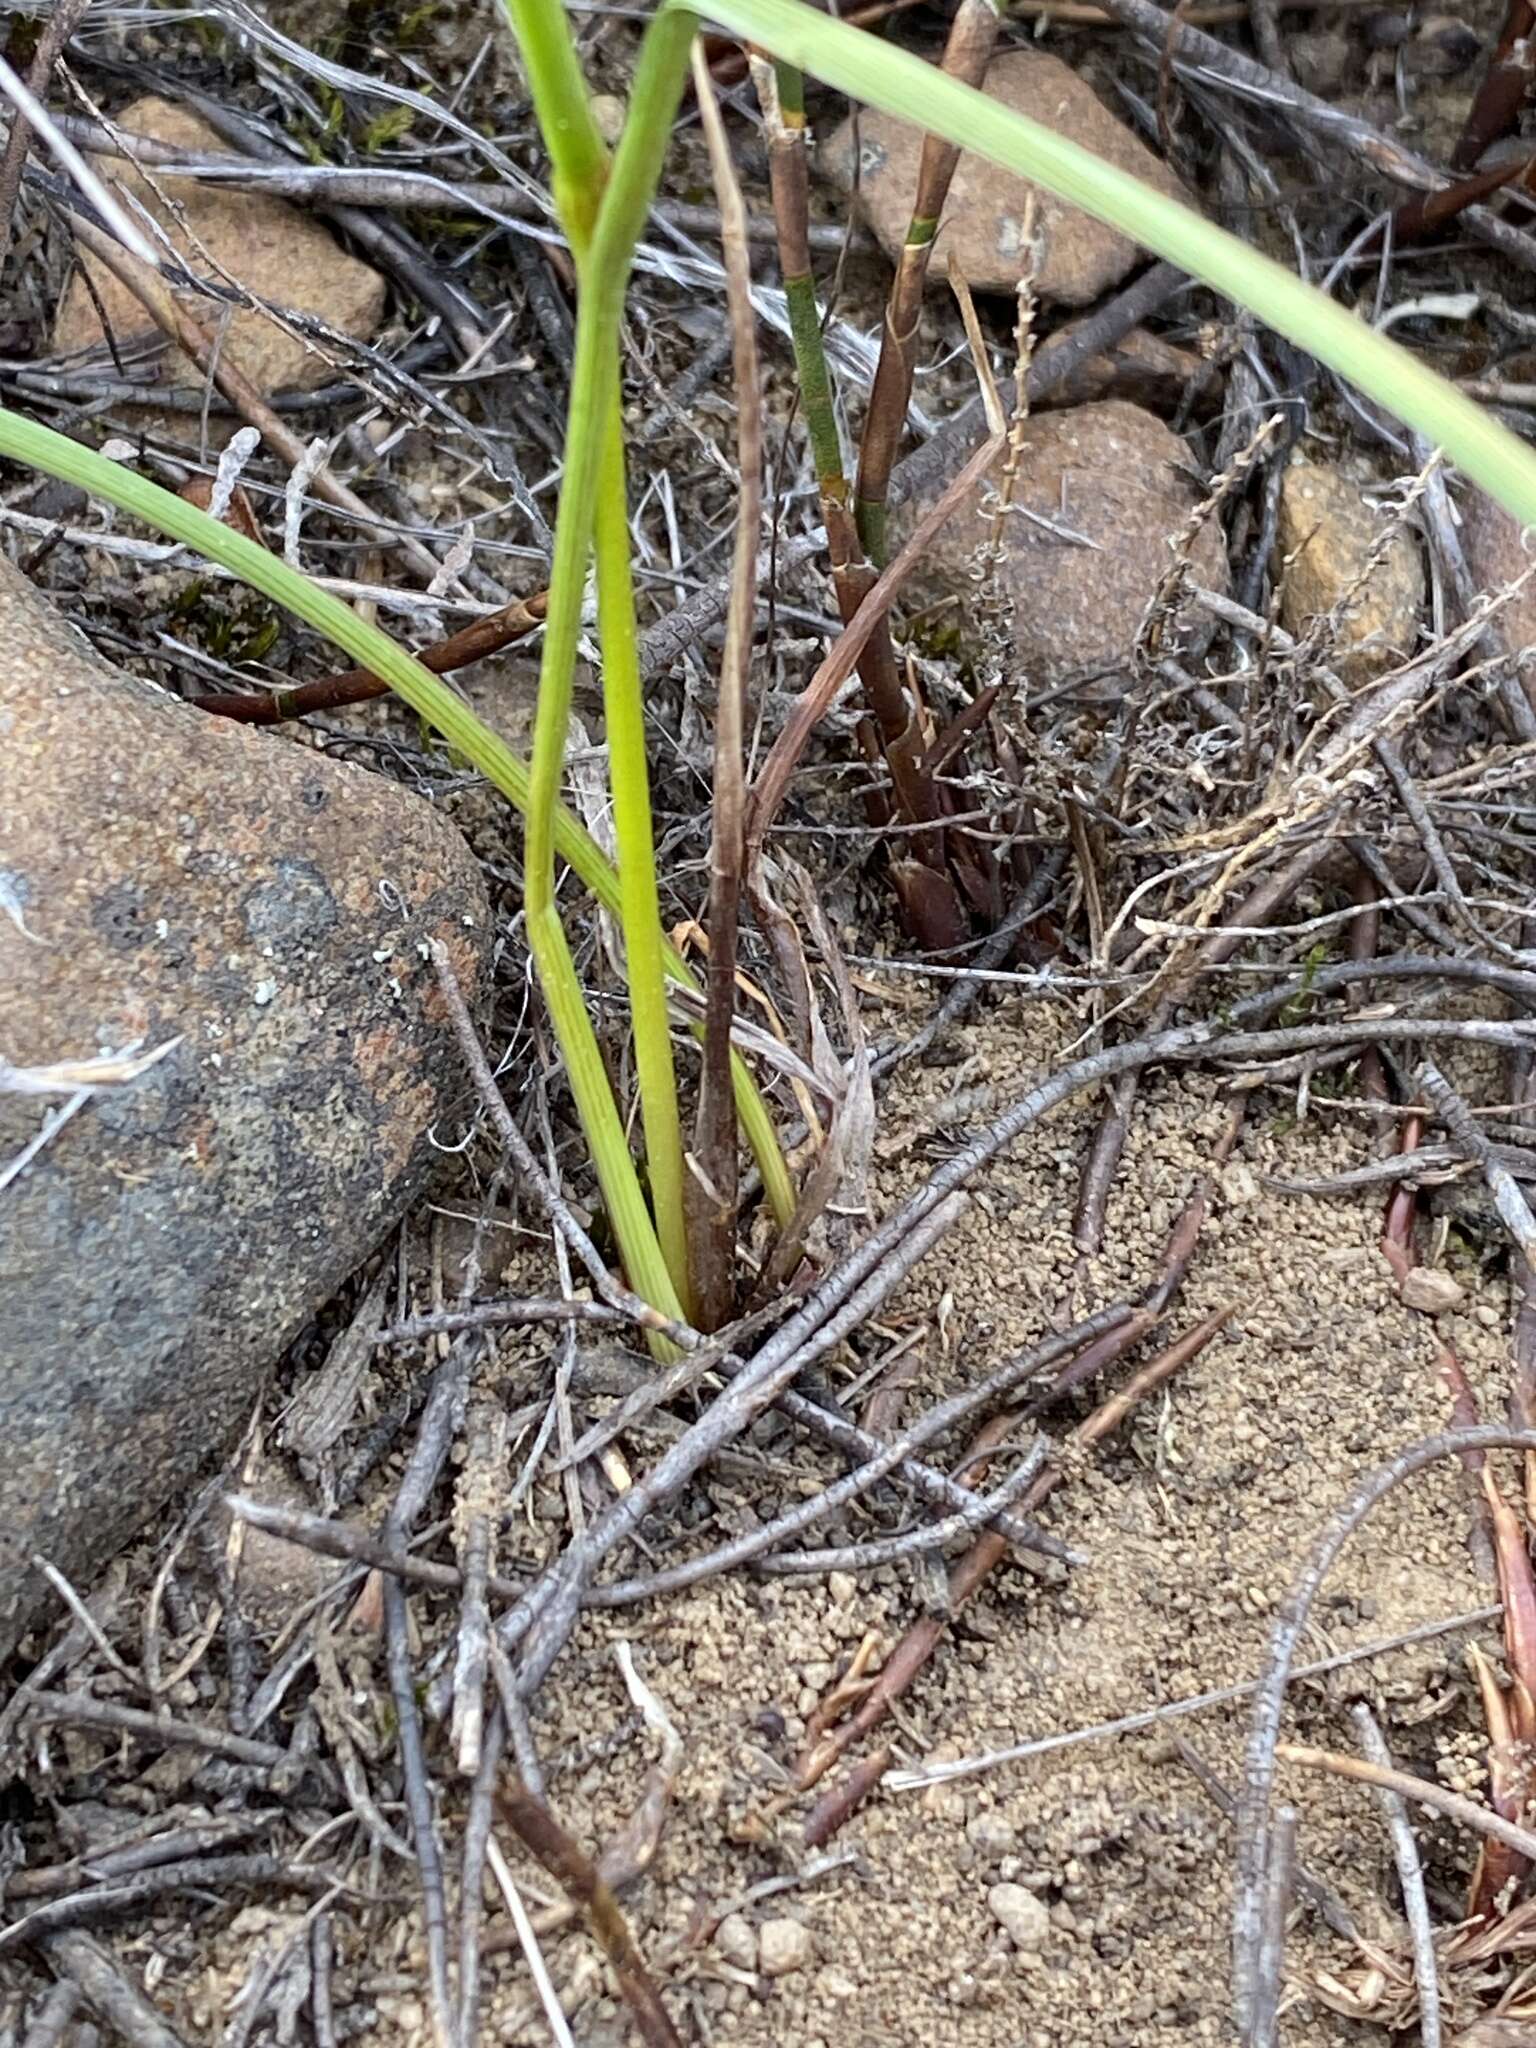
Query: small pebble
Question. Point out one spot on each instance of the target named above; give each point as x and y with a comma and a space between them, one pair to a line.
736, 1941
990, 1833
1432, 1291
784, 1946
1020, 1914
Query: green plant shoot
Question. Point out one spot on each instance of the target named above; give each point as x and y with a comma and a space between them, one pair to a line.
602, 213
603, 208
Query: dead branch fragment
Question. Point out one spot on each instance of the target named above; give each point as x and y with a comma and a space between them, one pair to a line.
542, 1835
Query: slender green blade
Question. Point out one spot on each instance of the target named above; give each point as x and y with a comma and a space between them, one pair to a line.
898, 83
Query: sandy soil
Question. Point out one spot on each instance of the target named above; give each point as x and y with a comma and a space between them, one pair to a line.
1194, 1522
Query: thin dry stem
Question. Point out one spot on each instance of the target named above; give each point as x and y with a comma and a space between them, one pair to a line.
1410, 1877
713, 1188
562, 1856
1421, 1791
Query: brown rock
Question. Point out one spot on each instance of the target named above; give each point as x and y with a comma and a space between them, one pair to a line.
1497, 556
785, 1946
1102, 493
1142, 368
1430, 1291
269, 247
166, 876
1324, 543
1079, 257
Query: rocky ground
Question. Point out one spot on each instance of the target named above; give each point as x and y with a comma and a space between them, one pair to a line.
239, 1150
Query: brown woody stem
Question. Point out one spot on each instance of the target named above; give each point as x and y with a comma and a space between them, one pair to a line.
476, 642
972, 38
544, 1838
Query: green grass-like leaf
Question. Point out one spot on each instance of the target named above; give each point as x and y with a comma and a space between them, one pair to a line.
898, 83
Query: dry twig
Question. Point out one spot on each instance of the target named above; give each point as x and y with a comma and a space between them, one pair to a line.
224, 374
1410, 1876
1255, 1827
57, 30
542, 1835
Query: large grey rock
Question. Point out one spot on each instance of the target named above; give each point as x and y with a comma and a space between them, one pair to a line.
1102, 494
164, 874
1078, 256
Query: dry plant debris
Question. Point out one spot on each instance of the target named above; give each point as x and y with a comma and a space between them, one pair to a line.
778, 1663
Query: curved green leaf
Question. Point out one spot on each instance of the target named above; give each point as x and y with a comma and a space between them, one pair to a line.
898, 83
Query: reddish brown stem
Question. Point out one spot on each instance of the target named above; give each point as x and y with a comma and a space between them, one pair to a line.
1103, 1161
929, 898
967, 53
1428, 212
544, 1838
1501, 95
954, 736
1364, 937
1516, 1587
1402, 1208
901, 741
772, 784
358, 686
910, 752
1498, 1864
920, 1641
841, 1801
